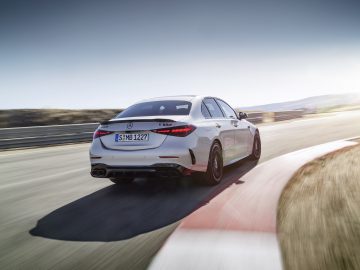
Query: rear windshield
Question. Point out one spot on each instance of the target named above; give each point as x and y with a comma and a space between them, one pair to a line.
157, 108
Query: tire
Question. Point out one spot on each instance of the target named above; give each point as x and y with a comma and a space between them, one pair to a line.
122, 181
214, 172
256, 151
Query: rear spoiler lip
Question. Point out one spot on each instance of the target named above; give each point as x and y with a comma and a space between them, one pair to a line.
136, 120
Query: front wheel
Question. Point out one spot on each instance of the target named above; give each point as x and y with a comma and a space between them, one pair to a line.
214, 171
256, 151
122, 181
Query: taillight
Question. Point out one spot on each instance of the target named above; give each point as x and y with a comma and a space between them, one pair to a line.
99, 133
180, 131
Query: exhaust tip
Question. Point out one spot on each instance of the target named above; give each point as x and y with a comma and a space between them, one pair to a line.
100, 173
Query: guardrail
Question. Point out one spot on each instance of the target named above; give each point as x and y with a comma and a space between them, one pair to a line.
265, 117
60, 134
287, 115
45, 135
256, 117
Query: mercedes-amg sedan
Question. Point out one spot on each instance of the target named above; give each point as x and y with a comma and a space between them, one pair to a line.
171, 137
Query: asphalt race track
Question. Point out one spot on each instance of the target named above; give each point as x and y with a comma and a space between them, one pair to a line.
53, 214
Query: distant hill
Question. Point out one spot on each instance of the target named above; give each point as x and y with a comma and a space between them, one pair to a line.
310, 103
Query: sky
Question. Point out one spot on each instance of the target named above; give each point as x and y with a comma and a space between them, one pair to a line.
110, 54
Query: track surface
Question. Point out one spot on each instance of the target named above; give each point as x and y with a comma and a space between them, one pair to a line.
54, 215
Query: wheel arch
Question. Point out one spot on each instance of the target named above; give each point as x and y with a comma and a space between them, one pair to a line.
218, 141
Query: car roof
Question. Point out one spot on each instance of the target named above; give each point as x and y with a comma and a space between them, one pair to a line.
178, 97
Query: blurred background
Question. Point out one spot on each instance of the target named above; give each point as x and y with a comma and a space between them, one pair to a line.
109, 54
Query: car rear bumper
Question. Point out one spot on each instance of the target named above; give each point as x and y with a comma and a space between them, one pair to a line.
159, 170
186, 154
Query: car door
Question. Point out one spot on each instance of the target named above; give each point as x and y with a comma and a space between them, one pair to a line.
241, 130
244, 138
225, 127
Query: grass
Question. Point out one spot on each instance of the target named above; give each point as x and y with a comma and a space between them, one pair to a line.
319, 214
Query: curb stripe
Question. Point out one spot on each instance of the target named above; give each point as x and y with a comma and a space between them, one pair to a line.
240, 223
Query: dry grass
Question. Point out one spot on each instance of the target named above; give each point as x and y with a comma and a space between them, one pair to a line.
319, 214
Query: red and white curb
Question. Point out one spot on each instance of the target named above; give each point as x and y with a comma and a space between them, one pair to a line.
237, 229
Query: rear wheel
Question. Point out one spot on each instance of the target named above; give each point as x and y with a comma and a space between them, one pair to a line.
122, 181
256, 152
214, 171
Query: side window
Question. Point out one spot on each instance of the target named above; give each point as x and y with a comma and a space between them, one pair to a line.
205, 112
213, 108
229, 112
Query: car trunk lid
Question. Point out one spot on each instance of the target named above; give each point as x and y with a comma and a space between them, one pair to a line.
135, 133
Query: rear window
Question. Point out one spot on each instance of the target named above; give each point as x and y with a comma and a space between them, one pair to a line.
157, 108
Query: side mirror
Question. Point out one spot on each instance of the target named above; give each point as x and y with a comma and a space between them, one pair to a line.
242, 115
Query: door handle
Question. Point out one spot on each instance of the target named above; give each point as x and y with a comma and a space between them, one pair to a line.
218, 125
234, 123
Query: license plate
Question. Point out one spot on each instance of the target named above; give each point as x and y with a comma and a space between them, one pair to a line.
131, 137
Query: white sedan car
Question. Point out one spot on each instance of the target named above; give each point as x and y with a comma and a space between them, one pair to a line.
172, 137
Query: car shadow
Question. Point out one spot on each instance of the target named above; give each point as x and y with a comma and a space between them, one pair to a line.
121, 212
